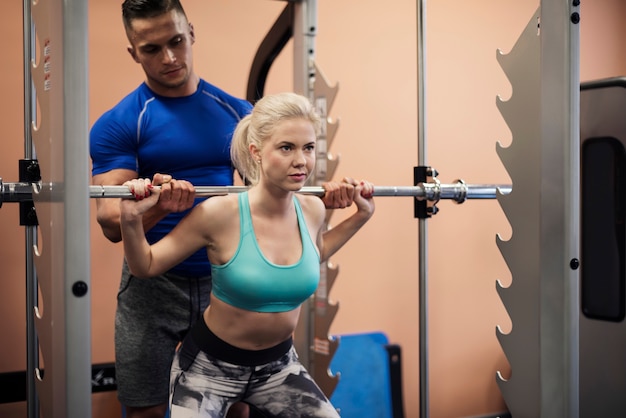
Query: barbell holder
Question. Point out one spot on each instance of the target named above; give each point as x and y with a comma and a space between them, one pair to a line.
458, 192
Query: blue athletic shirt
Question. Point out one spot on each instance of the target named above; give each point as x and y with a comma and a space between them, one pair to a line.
250, 281
187, 137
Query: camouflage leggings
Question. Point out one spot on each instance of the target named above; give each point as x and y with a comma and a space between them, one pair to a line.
209, 375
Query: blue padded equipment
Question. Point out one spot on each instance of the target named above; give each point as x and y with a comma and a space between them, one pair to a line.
369, 381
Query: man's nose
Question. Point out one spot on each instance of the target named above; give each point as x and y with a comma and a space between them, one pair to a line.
168, 56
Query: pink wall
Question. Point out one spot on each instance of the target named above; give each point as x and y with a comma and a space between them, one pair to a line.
369, 49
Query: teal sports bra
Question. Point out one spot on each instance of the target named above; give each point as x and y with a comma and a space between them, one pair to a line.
250, 281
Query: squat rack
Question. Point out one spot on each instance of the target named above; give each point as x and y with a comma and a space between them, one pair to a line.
545, 61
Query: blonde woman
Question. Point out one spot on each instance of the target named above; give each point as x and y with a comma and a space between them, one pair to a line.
265, 247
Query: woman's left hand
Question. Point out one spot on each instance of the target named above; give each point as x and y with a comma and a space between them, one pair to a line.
364, 197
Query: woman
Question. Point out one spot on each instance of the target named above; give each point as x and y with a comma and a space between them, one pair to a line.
265, 247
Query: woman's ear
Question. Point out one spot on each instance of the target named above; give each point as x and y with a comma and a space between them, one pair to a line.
255, 153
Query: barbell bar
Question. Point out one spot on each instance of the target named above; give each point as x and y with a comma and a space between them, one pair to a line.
435, 191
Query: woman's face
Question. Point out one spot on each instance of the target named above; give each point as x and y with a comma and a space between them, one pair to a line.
288, 156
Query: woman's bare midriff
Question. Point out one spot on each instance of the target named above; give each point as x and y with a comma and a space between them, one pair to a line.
249, 330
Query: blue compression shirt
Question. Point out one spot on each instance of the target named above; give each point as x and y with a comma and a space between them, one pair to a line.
187, 137
249, 281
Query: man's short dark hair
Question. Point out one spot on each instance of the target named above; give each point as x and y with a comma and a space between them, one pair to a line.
143, 9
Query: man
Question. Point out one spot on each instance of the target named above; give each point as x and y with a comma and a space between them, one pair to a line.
173, 123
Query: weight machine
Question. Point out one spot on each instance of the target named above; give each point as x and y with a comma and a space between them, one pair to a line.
543, 347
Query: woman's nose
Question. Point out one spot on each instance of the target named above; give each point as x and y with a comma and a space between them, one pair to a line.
299, 159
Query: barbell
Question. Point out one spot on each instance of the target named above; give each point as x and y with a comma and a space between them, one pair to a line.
433, 192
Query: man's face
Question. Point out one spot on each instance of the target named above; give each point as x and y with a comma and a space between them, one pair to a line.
162, 45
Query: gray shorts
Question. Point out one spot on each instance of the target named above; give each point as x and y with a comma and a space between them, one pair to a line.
153, 315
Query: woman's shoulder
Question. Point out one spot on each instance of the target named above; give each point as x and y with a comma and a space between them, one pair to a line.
217, 208
312, 207
221, 202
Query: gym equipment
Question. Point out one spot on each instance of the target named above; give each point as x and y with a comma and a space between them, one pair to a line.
370, 376
459, 191
542, 350
603, 270
543, 252
56, 124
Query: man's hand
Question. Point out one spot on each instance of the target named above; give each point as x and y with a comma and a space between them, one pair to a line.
176, 195
339, 195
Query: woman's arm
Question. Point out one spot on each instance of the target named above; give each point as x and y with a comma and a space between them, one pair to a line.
175, 197
332, 240
145, 260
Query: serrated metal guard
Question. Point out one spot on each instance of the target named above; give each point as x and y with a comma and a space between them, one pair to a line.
522, 113
323, 310
543, 211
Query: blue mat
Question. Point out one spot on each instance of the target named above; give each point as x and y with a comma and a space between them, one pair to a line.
364, 384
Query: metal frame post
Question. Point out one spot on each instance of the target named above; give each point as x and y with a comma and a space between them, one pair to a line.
62, 317
30, 231
422, 223
313, 342
304, 31
560, 207
543, 208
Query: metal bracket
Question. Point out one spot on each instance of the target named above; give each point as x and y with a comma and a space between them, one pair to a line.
28, 173
424, 209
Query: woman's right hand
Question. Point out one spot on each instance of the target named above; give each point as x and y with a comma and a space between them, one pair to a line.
145, 197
